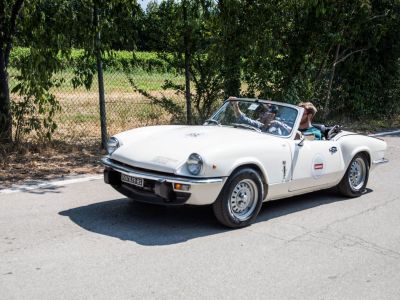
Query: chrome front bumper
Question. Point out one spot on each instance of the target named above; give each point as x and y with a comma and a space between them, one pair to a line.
202, 191
107, 162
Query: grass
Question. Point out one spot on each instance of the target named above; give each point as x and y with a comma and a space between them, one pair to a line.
79, 119
114, 81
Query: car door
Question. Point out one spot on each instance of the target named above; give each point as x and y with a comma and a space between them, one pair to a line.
315, 163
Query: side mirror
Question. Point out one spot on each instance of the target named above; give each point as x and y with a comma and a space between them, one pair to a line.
301, 143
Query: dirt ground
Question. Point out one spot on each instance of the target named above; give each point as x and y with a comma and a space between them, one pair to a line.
30, 162
27, 163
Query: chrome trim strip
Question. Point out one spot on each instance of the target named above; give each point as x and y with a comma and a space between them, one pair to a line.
380, 161
106, 161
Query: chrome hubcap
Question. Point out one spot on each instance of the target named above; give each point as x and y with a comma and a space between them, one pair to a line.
243, 199
357, 174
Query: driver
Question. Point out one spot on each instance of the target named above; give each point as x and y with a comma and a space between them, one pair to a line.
266, 121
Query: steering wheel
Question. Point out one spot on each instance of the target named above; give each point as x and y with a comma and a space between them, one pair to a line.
278, 128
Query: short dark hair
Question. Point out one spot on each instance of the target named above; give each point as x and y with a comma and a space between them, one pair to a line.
273, 109
309, 107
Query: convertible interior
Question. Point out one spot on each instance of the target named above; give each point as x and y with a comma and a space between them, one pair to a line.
328, 132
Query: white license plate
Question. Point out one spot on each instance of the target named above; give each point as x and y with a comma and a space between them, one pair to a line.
132, 180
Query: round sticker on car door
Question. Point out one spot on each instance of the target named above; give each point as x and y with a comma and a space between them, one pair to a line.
318, 166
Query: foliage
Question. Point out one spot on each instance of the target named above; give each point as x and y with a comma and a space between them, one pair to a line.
166, 103
36, 108
35, 21
120, 60
187, 43
341, 55
231, 33
50, 30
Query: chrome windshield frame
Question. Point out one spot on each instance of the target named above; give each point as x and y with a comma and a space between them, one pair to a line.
296, 124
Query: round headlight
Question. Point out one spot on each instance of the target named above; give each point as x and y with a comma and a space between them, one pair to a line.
194, 164
112, 145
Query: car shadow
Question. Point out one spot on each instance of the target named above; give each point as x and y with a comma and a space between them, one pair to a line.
279, 208
152, 225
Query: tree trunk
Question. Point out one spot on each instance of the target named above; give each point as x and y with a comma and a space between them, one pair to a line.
328, 96
5, 110
186, 41
231, 45
7, 31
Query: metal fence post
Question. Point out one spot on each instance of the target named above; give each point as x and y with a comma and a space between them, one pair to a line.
102, 101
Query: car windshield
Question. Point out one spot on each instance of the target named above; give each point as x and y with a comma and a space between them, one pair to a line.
263, 116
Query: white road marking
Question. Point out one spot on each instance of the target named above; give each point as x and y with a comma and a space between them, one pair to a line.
386, 133
49, 184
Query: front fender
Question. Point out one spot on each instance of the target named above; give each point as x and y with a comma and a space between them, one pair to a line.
248, 161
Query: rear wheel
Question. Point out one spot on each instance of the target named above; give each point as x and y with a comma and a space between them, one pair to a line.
240, 200
356, 178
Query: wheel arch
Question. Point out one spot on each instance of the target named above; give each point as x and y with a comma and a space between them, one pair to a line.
258, 169
367, 155
346, 187
349, 154
353, 144
363, 151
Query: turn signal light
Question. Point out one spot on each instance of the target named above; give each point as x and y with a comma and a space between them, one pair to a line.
181, 187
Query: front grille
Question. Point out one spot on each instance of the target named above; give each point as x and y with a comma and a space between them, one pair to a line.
141, 169
152, 191
148, 186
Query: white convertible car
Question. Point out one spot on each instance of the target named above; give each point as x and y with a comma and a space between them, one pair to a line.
234, 166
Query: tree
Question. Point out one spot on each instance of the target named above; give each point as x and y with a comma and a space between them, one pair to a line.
341, 55
50, 29
231, 17
102, 25
9, 13
185, 32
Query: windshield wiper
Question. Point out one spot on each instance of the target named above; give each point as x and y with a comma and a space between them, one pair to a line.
213, 121
241, 125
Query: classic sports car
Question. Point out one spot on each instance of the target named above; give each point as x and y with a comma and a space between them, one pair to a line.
235, 166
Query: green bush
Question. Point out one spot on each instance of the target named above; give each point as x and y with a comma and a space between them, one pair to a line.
116, 61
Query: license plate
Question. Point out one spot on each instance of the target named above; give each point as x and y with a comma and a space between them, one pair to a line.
132, 180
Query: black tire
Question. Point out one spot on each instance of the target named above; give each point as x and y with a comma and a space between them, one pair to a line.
240, 200
355, 179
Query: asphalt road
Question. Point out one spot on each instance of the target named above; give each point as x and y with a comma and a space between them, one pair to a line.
84, 241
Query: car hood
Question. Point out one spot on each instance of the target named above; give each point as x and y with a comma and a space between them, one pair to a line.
166, 148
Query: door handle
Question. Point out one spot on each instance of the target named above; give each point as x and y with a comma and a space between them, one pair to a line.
332, 149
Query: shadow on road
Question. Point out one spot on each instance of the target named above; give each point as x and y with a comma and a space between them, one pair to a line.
152, 225
278, 208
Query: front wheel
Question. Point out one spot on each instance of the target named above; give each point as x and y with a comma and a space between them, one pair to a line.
240, 200
356, 178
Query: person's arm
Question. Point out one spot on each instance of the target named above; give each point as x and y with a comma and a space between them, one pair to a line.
235, 106
242, 118
246, 120
282, 125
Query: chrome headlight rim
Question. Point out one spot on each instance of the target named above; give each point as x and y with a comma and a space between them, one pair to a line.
194, 164
112, 145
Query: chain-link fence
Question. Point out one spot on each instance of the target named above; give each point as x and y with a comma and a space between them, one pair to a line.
79, 118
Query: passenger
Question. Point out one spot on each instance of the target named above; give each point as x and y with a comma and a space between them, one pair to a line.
265, 122
305, 127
